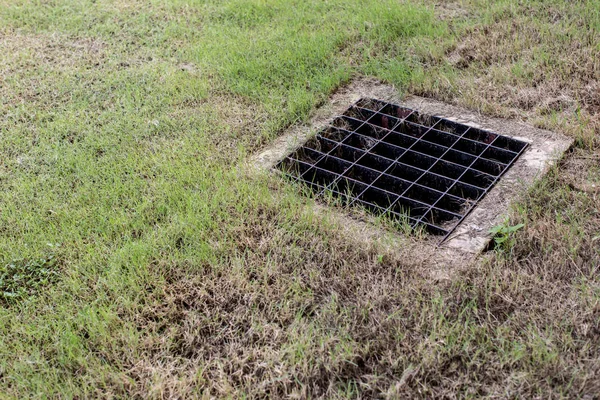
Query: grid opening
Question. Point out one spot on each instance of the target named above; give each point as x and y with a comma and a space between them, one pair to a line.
418, 168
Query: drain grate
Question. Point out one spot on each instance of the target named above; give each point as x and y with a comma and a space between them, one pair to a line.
392, 160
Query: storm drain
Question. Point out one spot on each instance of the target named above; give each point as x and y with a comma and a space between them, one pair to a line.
420, 169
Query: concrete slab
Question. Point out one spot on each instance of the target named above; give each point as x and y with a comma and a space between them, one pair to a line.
472, 236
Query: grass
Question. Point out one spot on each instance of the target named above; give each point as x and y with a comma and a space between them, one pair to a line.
123, 125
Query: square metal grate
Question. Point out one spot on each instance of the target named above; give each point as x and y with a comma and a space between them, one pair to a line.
392, 160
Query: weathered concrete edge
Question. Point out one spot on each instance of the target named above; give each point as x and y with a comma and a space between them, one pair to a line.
472, 236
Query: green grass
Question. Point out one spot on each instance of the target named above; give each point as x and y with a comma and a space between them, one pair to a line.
123, 126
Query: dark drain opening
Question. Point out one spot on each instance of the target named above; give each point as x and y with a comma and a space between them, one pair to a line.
392, 160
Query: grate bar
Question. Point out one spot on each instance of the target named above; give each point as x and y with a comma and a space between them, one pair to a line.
462, 135
372, 145
378, 188
389, 176
363, 123
396, 161
400, 147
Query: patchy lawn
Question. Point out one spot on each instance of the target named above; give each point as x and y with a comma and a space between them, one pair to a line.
138, 260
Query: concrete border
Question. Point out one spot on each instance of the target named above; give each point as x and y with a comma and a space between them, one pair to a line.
472, 236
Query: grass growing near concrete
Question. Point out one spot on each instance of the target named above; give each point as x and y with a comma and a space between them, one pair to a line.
123, 125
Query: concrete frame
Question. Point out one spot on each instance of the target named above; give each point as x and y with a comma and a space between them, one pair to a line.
472, 236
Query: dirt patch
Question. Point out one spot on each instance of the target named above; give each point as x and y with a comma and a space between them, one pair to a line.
50, 50
581, 171
29, 59
448, 10
235, 122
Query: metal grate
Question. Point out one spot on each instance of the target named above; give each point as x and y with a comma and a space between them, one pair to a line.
392, 160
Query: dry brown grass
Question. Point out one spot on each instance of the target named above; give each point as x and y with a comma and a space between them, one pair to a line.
284, 316
197, 286
292, 319
312, 311
317, 313
535, 62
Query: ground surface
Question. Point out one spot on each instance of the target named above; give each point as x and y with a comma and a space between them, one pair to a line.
138, 260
